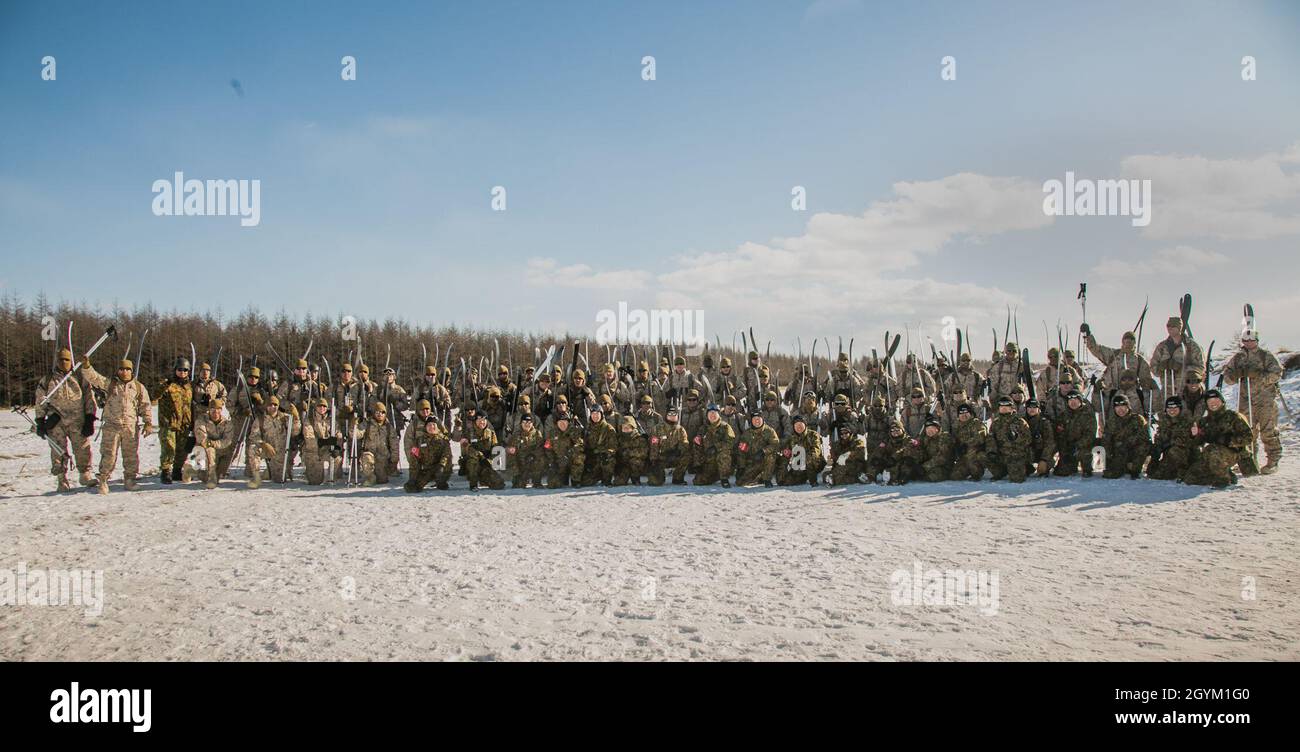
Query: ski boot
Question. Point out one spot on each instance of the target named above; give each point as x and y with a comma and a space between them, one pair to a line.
726, 483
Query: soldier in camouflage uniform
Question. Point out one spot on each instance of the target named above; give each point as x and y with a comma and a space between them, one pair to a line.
175, 421
969, 378
907, 455
620, 395
377, 445
1056, 401
727, 383
319, 442
215, 435
774, 415
681, 381
848, 458
875, 424
477, 446
1225, 439
206, 389
802, 458
1004, 375
559, 409
1042, 443
509, 391
632, 450
915, 413
601, 444
1127, 441
714, 446
936, 452
947, 412
429, 455
1076, 435
1260, 369
581, 398
1173, 357
757, 451
495, 408
267, 441
798, 385
1047, 381
876, 383
969, 443
1193, 394
842, 380
1009, 446
1127, 371
1174, 444
542, 397
126, 405
565, 453
669, 447
914, 377
526, 454
65, 419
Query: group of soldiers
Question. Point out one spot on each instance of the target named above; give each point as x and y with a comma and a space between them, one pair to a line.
628, 425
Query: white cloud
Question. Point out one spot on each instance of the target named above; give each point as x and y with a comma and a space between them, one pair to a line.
1246, 199
1181, 259
546, 272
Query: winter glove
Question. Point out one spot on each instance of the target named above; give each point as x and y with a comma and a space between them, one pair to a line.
148, 430
1042, 467
1085, 330
268, 450
40, 428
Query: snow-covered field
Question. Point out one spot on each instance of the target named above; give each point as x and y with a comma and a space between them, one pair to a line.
1074, 569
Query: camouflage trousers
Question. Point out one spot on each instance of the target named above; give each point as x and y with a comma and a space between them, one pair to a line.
1170, 465
429, 470
565, 470
628, 471
969, 465
1124, 463
657, 469
173, 447
1213, 467
599, 467
754, 470
116, 440
1265, 429
936, 469
66, 434
785, 476
1013, 467
217, 463
314, 462
529, 467
478, 469
847, 469
714, 466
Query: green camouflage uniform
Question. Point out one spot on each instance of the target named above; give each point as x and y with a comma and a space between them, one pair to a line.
565, 456
1174, 447
527, 456
1009, 447
669, 447
969, 443
175, 424
714, 446
804, 450
1226, 437
1127, 443
476, 454
1042, 442
631, 455
936, 456
430, 460
757, 449
848, 460
602, 446
1076, 434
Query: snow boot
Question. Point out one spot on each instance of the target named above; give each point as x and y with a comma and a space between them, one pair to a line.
86, 478
129, 482
166, 477
1269, 467
64, 485
254, 478
103, 486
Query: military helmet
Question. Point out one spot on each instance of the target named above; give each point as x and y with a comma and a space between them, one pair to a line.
216, 404
578, 373
525, 399
692, 392
182, 364
725, 362
1174, 321
645, 400
1010, 347
302, 363
65, 354
878, 401
1119, 399
965, 357
254, 372
274, 400
1068, 354
606, 400
729, 400
679, 361
205, 367
380, 409
423, 404
917, 393
1129, 335
347, 367
429, 370
562, 400
503, 368
843, 399
753, 355
322, 402
364, 369
763, 370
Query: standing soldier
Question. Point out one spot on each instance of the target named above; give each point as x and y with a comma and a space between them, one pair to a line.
618, 392
1076, 435
969, 378
494, 407
126, 405
1173, 358
841, 380
1052, 375
429, 455
206, 389
1226, 438
541, 396
68, 420
969, 443
936, 452
1259, 372
1042, 444
215, 435
914, 377
1056, 401
1127, 372
509, 391
848, 458
318, 442
175, 421
581, 398
526, 454
727, 383
1004, 375
749, 378
877, 382
1172, 453
758, 448
296, 392
681, 381
802, 458
798, 385
1009, 444
714, 445
916, 413
566, 453
774, 415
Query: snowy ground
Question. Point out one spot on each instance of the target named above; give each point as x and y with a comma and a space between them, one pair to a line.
1091, 569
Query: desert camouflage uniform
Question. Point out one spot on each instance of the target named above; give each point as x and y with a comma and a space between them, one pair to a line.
126, 406
1264, 371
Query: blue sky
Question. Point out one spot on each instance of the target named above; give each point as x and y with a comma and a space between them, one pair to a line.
674, 192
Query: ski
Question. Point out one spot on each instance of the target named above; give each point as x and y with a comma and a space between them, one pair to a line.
1027, 373
1185, 312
